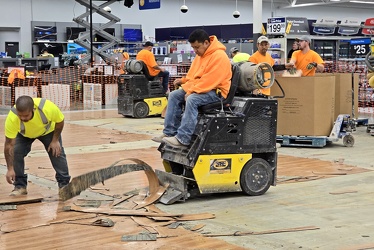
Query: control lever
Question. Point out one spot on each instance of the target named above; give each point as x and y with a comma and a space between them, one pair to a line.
219, 94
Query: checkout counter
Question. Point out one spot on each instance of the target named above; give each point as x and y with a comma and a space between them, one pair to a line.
38, 62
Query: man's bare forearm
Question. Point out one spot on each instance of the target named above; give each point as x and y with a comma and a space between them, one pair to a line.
58, 130
8, 152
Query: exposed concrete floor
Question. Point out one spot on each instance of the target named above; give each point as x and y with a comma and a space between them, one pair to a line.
345, 220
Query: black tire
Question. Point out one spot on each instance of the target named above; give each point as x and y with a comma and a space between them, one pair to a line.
256, 177
141, 109
348, 140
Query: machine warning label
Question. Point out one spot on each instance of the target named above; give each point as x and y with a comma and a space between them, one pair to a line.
220, 166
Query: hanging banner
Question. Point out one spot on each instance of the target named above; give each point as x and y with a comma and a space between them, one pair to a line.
149, 4
325, 26
367, 30
297, 26
349, 26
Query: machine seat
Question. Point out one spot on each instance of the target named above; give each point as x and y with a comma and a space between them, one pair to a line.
226, 102
146, 73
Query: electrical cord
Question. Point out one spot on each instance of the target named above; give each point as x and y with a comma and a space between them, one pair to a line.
283, 94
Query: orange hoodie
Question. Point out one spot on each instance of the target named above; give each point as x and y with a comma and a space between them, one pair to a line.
15, 73
210, 71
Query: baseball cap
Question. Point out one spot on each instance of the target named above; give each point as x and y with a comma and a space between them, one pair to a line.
304, 38
262, 39
148, 43
234, 49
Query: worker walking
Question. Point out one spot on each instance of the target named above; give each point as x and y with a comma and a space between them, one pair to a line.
30, 119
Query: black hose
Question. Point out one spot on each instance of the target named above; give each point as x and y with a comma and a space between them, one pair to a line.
283, 94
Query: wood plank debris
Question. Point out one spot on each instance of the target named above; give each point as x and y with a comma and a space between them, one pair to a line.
84, 181
343, 192
329, 173
197, 227
121, 212
22, 199
99, 188
115, 203
202, 216
286, 230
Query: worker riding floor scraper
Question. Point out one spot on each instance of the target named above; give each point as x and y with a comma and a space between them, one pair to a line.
233, 148
140, 94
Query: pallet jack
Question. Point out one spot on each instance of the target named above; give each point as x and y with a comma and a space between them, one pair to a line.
343, 127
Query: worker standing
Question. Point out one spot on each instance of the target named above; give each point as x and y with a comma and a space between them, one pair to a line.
306, 59
237, 56
262, 56
30, 119
295, 47
45, 53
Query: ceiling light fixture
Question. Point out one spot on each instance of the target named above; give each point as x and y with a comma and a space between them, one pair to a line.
184, 7
236, 13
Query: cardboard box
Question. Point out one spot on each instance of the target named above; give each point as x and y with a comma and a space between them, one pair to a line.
308, 107
346, 93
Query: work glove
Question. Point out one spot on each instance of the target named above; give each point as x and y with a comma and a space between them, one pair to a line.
311, 65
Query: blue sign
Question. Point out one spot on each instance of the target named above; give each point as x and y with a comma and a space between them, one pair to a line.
360, 41
348, 30
277, 20
149, 4
324, 30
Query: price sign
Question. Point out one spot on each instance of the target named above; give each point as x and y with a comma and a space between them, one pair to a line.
276, 25
360, 47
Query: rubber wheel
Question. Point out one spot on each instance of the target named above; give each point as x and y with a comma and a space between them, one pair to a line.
256, 177
348, 140
141, 110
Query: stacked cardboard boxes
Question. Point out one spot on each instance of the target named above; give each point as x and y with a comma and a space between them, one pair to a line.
312, 104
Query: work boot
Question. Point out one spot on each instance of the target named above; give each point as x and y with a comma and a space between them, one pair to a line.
159, 138
173, 141
18, 191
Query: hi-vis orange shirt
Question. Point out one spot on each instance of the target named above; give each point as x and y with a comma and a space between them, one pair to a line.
258, 58
149, 59
209, 71
302, 60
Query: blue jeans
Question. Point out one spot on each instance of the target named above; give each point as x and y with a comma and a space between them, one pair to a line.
165, 80
182, 124
23, 147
